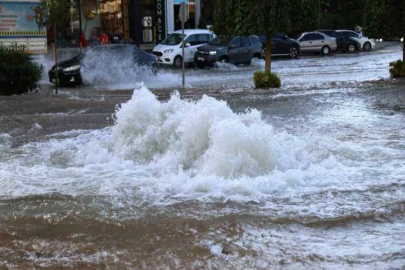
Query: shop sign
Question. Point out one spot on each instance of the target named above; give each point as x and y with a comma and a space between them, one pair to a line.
21, 19
160, 21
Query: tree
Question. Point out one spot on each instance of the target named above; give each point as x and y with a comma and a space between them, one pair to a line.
305, 15
385, 19
342, 14
202, 24
252, 17
55, 14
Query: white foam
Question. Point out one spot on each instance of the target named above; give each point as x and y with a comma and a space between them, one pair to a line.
5, 140
203, 137
163, 153
119, 70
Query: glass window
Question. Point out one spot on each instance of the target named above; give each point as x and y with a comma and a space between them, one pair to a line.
203, 38
330, 33
254, 40
192, 40
235, 43
244, 42
305, 38
221, 41
314, 37
351, 34
173, 39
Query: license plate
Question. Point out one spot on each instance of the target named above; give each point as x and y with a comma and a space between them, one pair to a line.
159, 58
200, 59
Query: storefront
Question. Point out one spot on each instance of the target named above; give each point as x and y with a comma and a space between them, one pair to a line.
163, 15
141, 22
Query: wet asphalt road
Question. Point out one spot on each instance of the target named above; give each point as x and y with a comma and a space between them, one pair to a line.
313, 181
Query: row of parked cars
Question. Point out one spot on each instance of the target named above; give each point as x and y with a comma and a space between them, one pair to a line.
203, 48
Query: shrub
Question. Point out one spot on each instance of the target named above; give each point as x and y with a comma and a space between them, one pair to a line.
18, 74
397, 69
265, 79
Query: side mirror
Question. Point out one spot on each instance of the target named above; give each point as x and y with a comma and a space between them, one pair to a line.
285, 37
187, 45
232, 47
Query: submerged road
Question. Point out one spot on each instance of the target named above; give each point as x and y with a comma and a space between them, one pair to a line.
309, 176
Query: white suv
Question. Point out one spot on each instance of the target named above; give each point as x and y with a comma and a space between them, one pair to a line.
169, 51
366, 43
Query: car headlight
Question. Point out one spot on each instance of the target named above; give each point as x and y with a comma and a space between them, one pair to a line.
168, 51
76, 67
213, 53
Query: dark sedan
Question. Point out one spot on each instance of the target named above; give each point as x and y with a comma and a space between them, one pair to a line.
282, 45
70, 71
226, 49
345, 44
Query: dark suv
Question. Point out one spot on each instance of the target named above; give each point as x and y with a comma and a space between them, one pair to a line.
345, 44
228, 49
282, 45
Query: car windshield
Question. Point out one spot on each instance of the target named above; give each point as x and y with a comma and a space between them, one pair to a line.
172, 39
221, 41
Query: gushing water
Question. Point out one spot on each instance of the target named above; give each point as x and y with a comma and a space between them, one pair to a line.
302, 181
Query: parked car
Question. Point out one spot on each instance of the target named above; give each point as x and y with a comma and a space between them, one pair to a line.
69, 71
169, 52
366, 43
344, 43
229, 49
281, 45
315, 42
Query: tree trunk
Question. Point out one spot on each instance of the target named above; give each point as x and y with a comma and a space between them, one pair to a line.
268, 52
55, 52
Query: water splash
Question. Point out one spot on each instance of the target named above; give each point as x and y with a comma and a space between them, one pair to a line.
202, 137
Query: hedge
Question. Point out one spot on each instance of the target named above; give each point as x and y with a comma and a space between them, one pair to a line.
18, 74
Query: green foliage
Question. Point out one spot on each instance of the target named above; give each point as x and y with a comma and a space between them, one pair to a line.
202, 24
265, 79
224, 17
397, 69
55, 12
18, 74
262, 17
258, 17
305, 16
385, 18
342, 14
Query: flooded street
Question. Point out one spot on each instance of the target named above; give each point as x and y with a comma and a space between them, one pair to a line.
309, 176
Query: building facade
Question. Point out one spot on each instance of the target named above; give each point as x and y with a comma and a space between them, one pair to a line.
141, 22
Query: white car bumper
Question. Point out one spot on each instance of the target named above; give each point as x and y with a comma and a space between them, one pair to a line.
164, 58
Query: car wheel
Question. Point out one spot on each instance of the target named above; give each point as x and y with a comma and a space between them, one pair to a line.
293, 52
178, 62
367, 47
325, 50
351, 48
257, 56
224, 60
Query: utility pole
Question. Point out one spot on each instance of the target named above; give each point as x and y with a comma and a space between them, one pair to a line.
183, 19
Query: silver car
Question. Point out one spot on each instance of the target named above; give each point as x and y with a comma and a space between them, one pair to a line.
317, 43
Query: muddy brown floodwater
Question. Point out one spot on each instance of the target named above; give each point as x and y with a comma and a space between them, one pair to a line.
310, 176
